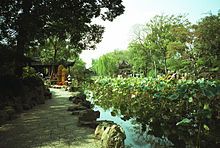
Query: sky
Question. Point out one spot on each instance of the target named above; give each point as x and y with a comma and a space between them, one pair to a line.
118, 33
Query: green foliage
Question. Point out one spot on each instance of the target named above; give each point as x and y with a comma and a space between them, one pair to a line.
30, 77
10, 85
33, 81
139, 58
42, 19
7, 65
207, 44
78, 72
185, 111
29, 72
172, 43
26, 24
160, 41
159, 46
107, 65
55, 50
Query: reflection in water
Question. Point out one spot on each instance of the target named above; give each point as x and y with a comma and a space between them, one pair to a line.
134, 137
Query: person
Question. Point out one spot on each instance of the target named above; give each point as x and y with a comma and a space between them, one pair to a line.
69, 80
69, 77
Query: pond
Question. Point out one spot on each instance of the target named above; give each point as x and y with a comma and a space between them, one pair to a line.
135, 138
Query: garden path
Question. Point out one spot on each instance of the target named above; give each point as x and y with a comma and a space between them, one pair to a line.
47, 126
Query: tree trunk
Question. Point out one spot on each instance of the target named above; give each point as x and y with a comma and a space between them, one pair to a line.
22, 37
21, 41
54, 59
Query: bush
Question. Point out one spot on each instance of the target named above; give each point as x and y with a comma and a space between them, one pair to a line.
10, 85
20, 93
28, 72
185, 111
33, 81
7, 56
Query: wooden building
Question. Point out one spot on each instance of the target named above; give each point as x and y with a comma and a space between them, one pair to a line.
48, 69
124, 69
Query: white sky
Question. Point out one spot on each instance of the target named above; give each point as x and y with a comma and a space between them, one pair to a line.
119, 32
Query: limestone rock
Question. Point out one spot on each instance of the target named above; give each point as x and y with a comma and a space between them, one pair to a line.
88, 118
77, 100
111, 135
101, 128
86, 104
76, 107
74, 95
78, 96
80, 99
89, 115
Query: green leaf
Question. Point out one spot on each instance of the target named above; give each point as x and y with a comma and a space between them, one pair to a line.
174, 97
184, 121
208, 93
206, 127
206, 106
190, 100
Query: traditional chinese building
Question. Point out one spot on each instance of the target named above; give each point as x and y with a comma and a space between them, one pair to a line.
124, 69
55, 72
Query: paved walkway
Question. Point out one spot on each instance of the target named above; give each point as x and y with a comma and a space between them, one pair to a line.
47, 126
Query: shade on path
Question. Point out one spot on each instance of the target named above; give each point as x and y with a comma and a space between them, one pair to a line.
47, 126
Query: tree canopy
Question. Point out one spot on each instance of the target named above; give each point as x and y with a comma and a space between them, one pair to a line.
171, 44
107, 65
26, 23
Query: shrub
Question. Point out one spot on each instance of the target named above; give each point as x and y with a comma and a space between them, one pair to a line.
185, 111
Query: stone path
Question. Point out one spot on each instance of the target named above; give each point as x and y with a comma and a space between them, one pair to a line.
47, 126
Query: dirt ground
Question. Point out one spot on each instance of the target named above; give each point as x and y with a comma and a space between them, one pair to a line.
47, 126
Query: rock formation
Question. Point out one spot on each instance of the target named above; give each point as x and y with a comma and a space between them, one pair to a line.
110, 134
83, 108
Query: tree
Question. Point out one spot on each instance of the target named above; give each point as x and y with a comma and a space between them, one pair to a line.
6, 60
104, 66
78, 71
26, 22
139, 52
159, 43
207, 46
55, 51
177, 57
107, 65
163, 31
139, 62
